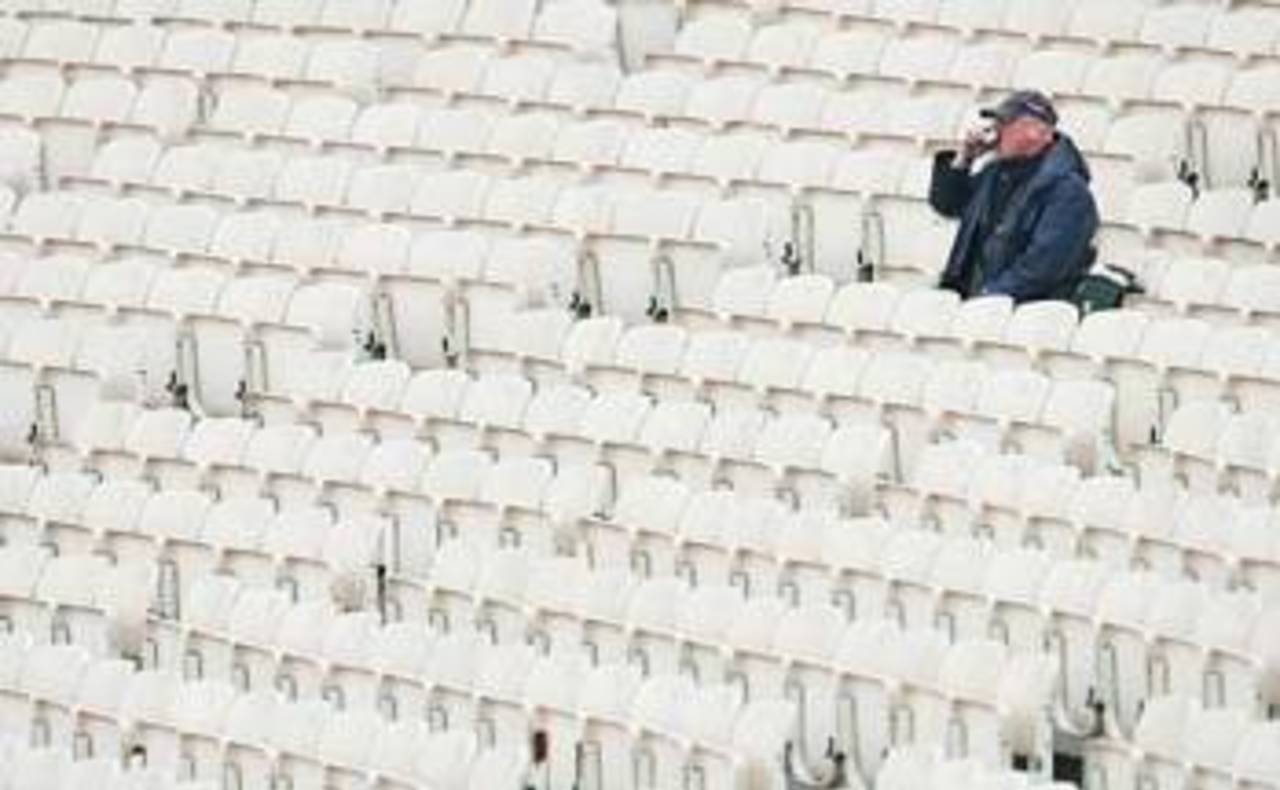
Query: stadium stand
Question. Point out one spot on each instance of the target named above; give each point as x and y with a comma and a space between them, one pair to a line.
415, 394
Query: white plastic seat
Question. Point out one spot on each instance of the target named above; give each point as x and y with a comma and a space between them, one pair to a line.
1163, 206
428, 19
587, 27
652, 94
722, 100
518, 78
674, 426
499, 20
386, 126
199, 52
99, 100
1176, 27
741, 228
774, 364
789, 107
798, 164
158, 433
524, 138
270, 57
661, 151
1119, 78
320, 119
383, 190
249, 174
31, 96
918, 58
13, 33
496, 400
730, 157
843, 54
288, 14
451, 196
106, 223
714, 38
583, 87
1036, 19
220, 441
351, 65
375, 249
343, 15
1255, 754
1243, 31
1221, 213
21, 149
651, 349
126, 161
185, 168
214, 11
167, 106
313, 181
60, 42
1189, 283
782, 45
58, 277
1192, 85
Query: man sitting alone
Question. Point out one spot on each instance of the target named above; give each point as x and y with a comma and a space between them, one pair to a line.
1027, 219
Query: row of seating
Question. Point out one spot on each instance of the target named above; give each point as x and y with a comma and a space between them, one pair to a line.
93, 241
1216, 214
1213, 448
471, 78
1206, 286
1177, 740
1244, 31
710, 43
467, 74
1183, 353
1105, 627
91, 719
761, 299
456, 659
600, 214
435, 400
942, 61
695, 168
533, 78
584, 25
956, 487
910, 372
353, 637
1189, 358
959, 488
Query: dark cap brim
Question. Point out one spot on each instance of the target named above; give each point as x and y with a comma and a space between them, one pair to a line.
996, 114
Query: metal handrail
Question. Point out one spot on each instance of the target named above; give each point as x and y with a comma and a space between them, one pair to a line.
456, 342
663, 274
871, 251
799, 250
588, 296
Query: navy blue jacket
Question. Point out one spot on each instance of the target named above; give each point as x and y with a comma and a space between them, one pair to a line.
1043, 244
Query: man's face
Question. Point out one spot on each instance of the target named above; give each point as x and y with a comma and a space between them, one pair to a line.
1022, 137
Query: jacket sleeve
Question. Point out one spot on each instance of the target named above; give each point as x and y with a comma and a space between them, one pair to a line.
950, 187
1059, 241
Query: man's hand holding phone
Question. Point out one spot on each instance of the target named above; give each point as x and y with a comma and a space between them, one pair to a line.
978, 141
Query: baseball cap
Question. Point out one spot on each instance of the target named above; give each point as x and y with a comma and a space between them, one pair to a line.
1020, 103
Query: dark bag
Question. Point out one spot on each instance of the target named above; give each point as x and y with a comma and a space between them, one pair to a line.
1105, 288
